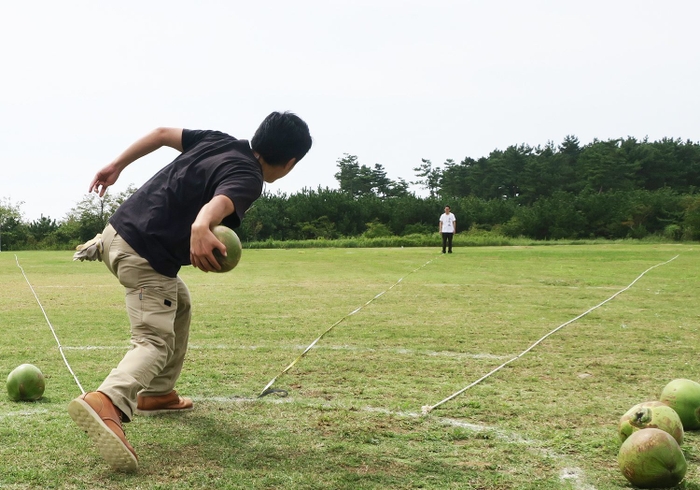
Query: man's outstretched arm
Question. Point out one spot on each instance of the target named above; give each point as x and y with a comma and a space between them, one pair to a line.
157, 138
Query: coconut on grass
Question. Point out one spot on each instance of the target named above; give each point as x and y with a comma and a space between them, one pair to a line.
651, 414
25, 383
683, 395
651, 458
233, 248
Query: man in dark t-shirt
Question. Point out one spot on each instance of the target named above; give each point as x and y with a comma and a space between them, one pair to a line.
164, 225
156, 219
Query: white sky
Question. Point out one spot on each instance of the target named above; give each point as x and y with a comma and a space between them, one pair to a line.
391, 81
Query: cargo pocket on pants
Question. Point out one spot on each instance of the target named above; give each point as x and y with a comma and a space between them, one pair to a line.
152, 312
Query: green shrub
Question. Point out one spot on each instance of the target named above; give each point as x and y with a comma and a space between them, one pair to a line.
418, 229
673, 232
376, 229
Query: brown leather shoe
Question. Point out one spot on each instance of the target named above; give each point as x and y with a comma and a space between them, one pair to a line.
156, 405
95, 413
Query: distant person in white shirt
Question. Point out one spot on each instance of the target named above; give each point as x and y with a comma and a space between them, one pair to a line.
448, 228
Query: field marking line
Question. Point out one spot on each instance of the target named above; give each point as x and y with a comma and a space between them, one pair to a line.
569, 474
60, 348
429, 408
266, 390
23, 413
341, 347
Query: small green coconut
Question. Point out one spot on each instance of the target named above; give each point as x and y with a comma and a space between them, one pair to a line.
651, 458
25, 383
683, 395
651, 414
233, 248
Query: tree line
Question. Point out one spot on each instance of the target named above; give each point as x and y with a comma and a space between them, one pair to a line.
80, 224
619, 188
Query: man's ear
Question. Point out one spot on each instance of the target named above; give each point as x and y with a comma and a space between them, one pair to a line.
290, 164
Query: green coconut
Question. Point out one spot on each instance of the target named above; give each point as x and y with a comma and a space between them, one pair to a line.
25, 383
683, 395
651, 414
233, 248
651, 458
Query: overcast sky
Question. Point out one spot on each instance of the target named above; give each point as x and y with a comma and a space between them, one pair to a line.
389, 81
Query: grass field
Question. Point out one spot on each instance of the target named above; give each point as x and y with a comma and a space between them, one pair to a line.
352, 419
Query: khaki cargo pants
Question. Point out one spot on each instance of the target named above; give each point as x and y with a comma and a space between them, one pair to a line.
159, 310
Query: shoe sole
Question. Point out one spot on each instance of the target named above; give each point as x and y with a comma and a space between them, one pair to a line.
111, 448
164, 411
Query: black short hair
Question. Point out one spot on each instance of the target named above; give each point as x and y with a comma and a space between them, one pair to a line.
281, 137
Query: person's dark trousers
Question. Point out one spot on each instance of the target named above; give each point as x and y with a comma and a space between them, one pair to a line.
447, 242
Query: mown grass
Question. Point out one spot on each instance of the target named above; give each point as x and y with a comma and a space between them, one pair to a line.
352, 418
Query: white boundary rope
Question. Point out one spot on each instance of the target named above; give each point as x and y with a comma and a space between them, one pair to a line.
429, 408
60, 349
265, 390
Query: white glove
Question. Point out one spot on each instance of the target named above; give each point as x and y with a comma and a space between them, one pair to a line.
90, 250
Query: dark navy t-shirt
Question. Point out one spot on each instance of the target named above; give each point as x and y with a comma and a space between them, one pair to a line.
156, 220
